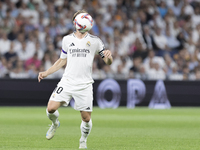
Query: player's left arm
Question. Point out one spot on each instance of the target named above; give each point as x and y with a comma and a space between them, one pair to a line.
107, 57
105, 54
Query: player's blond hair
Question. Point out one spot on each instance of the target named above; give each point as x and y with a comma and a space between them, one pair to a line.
78, 12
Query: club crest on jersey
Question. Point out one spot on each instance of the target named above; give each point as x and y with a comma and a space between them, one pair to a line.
88, 43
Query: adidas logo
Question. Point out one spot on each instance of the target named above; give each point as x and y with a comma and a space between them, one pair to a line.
72, 44
88, 108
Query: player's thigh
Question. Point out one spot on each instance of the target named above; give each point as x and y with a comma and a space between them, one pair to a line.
53, 106
84, 99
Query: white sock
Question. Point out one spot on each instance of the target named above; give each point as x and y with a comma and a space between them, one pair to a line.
85, 130
53, 116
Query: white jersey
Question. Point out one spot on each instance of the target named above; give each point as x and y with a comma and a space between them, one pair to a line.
80, 54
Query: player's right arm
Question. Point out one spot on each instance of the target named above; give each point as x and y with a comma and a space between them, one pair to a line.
56, 66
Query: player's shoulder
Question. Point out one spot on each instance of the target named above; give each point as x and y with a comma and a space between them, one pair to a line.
93, 37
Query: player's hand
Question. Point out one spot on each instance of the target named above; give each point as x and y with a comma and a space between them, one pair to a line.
107, 53
42, 75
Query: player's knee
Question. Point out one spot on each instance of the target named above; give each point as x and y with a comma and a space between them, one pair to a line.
52, 106
86, 118
51, 109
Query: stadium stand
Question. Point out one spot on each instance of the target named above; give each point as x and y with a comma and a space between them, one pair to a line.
149, 39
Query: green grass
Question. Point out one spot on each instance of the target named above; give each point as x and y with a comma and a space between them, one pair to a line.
24, 128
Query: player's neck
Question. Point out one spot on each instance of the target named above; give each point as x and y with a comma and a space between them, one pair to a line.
80, 35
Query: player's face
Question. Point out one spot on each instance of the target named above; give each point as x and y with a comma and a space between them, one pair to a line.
78, 30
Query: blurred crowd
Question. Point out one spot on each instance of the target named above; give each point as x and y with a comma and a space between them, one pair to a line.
149, 39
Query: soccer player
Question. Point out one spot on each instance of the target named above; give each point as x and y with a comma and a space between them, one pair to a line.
78, 51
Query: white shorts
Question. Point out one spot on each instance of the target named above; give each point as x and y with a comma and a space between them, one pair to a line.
83, 96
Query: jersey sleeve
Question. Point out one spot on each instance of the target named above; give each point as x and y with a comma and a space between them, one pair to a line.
101, 48
64, 50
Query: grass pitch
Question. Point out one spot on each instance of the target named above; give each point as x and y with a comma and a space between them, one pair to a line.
24, 128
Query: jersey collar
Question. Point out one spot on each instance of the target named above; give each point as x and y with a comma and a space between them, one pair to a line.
78, 38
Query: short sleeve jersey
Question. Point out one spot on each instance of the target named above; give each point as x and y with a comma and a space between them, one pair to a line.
80, 54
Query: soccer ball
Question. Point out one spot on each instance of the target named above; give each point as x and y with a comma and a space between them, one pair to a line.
83, 22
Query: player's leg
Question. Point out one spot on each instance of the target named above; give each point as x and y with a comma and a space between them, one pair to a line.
86, 126
52, 111
84, 103
59, 97
53, 115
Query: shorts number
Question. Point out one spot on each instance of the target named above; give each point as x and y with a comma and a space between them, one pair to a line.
59, 90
